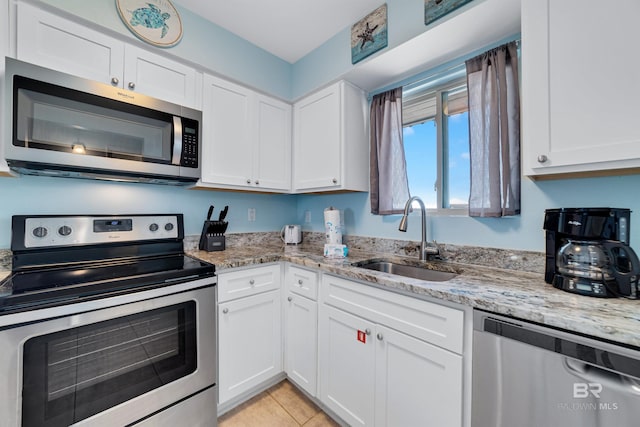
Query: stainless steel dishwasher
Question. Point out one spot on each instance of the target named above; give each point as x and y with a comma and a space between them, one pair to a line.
528, 375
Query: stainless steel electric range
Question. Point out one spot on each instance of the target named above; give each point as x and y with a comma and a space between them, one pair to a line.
105, 321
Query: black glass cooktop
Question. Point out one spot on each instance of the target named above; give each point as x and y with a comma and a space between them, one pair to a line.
46, 286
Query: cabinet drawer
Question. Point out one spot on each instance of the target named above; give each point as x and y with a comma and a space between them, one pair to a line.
303, 282
242, 283
434, 323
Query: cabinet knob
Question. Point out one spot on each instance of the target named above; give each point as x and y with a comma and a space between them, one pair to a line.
132, 85
542, 158
300, 282
334, 180
248, 181
289, 299
252, 282
257, 182
225, 310
367, 331
379, 336
115, 81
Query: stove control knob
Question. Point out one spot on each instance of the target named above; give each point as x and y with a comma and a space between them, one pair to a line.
40, 232
153, 227
65, 230
168, 226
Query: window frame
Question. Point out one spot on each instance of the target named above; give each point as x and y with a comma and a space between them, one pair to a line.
442, 149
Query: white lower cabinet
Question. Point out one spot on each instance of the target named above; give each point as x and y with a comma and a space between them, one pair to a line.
371, 374
417, 384
249, 332
301, 328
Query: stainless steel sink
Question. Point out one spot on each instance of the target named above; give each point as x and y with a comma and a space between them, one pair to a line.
413, 271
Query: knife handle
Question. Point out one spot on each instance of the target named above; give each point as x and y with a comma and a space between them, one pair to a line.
210, 212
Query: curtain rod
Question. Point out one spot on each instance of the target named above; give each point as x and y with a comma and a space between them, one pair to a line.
443, 68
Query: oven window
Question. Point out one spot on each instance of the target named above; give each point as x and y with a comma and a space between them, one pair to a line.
73, 374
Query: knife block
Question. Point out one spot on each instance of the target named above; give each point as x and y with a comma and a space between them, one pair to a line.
212, 237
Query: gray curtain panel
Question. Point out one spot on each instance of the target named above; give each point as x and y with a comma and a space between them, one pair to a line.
388, 169
494, 132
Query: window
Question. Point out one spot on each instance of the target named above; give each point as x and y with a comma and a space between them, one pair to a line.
436, 141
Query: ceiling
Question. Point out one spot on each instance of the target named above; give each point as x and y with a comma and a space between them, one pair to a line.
288, 29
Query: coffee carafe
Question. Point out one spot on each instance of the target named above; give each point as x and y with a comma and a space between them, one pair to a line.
588, 252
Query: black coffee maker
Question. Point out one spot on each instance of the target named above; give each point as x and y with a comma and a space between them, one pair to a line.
588, 253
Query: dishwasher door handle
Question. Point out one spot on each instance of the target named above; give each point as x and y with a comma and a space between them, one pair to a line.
595, 376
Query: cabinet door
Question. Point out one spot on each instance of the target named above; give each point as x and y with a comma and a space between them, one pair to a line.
227, 147
580, 86
416, 383
160, 77
250, 343
301, 351
347, 366
53, 42
317, 140
272, 161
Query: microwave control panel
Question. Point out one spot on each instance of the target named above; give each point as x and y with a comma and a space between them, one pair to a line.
190, 144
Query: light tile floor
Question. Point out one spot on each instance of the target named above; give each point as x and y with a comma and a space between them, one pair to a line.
280, 406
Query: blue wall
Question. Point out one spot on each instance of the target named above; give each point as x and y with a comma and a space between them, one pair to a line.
30, 195
522, 232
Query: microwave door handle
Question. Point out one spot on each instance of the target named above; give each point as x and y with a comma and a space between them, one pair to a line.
177, 141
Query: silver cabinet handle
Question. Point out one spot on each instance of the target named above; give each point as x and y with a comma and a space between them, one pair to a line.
542, 158
252, 282
115, 81
289, 299
367, 331
225, 310
300, 282
379, 336
132, 85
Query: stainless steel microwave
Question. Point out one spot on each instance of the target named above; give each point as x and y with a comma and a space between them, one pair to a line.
62, 125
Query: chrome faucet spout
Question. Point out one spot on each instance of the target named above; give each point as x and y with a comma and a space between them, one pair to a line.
424, 249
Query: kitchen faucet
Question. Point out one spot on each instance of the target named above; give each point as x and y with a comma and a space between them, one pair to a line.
424, 248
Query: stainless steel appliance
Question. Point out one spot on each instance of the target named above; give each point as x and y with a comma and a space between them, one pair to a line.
587, 252
105, 321
527, 375
62, 125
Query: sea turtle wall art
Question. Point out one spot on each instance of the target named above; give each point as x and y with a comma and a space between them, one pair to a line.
369, 34
155, 21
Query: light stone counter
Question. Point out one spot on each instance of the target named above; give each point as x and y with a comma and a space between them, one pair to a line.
515, 293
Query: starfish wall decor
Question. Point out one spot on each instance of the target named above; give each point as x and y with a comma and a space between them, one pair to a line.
369, 34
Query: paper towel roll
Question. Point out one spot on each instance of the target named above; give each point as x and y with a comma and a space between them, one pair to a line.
333, 226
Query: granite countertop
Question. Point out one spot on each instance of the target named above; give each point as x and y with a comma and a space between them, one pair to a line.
519, 294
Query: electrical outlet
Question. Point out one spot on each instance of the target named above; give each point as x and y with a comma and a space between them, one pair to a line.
251, 214
307, 217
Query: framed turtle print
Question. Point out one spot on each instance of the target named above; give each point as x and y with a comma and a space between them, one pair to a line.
156, 22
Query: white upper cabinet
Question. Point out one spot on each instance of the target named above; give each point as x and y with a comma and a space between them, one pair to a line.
246, 138
54, 42
580, 86
330, 142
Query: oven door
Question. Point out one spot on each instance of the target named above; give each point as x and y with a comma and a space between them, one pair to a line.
112, 366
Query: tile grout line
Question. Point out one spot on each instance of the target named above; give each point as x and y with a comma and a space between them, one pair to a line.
289, 413
285, 409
